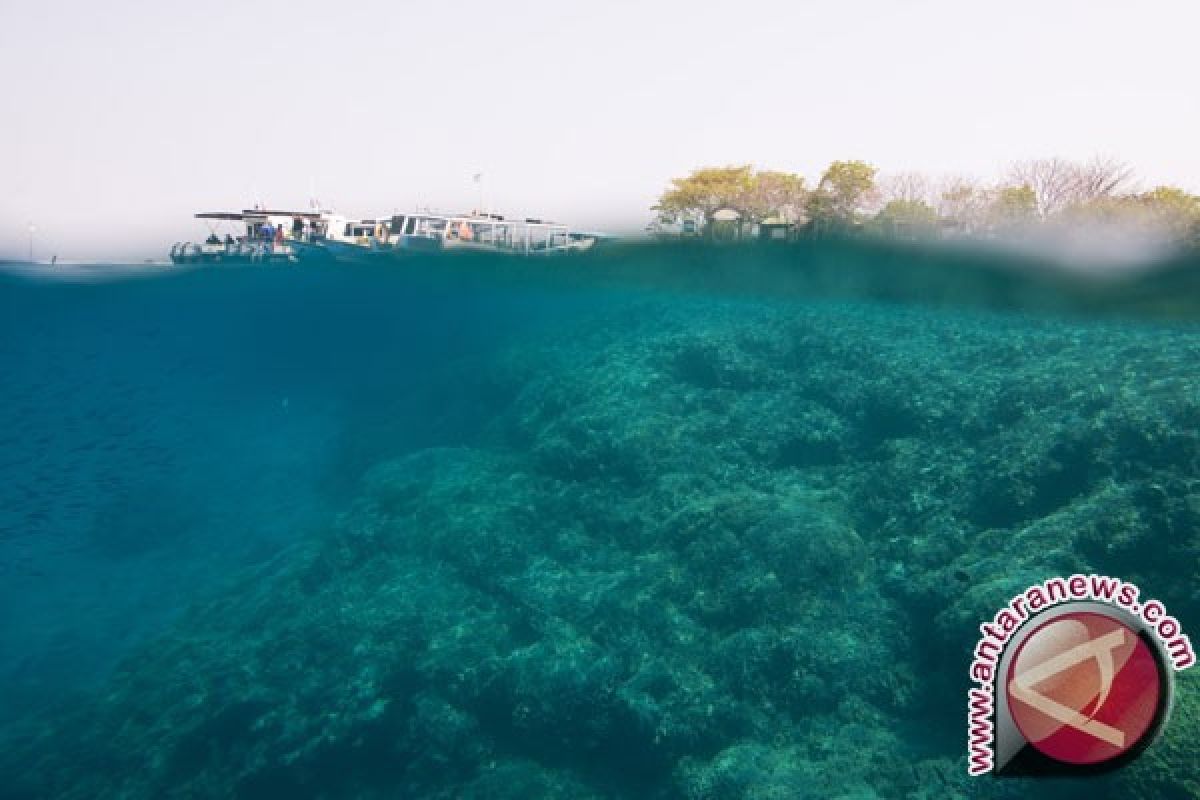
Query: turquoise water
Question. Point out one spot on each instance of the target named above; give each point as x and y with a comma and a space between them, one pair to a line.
663, 523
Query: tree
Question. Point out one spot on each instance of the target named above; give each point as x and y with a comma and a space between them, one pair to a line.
775, 194
1175, 211
841, 197
1101, 177
1164, 213
963, 206
1048, 179
907, 218
1012, 207
1058, 184
911, 187
705, 191
756, 195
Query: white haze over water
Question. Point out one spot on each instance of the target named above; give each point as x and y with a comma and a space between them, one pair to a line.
123, 118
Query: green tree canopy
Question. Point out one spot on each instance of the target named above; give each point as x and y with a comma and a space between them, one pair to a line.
1013, 206
907, 218
1165, 210
850, 196
706, 190
841, 196
1175, 210
757, 195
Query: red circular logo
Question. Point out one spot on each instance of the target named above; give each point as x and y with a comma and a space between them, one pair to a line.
1084, 688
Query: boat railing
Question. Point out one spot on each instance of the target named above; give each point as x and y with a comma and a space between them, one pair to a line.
521, 237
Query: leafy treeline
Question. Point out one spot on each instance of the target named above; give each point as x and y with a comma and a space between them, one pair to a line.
853, 196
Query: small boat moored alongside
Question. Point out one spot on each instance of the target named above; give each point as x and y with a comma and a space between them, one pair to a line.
264, 237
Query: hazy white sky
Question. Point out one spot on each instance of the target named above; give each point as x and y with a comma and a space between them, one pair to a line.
122, 118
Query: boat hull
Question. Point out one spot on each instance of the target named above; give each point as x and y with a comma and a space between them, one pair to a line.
231, 255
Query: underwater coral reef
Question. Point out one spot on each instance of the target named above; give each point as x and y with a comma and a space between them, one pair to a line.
700, 549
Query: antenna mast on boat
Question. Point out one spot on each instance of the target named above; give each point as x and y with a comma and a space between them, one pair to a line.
479, 183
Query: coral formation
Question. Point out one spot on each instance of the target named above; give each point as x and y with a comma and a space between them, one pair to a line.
702, 550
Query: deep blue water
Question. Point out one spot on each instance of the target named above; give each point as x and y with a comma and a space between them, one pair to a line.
160, 433
593, 512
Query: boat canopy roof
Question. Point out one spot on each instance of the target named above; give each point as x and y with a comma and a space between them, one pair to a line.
309, 214
496, 219
233, 216
255, 213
